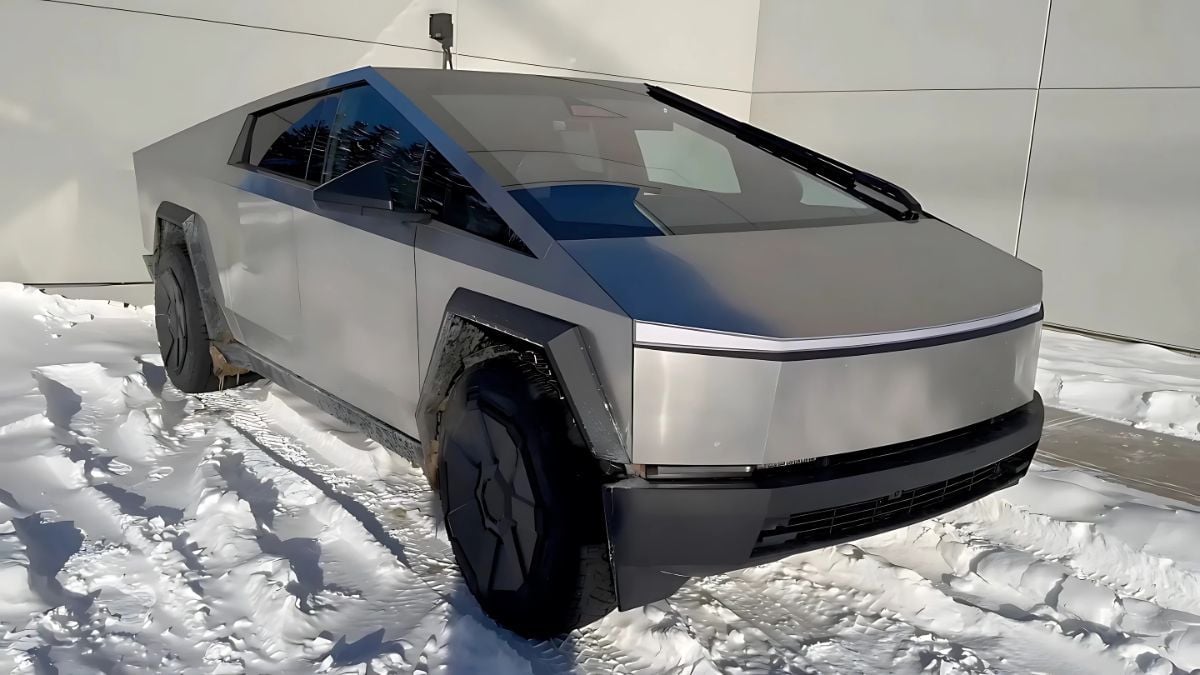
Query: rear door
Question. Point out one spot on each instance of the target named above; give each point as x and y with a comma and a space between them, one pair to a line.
356, 266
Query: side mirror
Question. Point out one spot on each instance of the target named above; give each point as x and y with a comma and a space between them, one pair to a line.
365, 185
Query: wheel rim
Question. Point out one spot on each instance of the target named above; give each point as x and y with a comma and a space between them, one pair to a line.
172, 323
493, 511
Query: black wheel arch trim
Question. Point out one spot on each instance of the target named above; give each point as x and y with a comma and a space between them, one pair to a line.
176, 225
468, 320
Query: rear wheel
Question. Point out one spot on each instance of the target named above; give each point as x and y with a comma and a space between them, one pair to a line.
522, 502
179, 321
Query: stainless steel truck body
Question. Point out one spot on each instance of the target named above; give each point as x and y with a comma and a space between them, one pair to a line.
630, 340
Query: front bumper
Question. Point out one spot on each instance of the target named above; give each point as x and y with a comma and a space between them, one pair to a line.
663, 532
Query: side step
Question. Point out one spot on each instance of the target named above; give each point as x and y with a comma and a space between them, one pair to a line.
242, 358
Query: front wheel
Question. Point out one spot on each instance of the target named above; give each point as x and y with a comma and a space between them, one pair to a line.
522, 502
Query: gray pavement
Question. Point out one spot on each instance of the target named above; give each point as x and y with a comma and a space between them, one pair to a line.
1164, 465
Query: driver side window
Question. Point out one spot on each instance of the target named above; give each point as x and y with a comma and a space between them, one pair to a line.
367, 128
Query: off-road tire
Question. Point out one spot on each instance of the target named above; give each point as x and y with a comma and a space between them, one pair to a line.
179, 321
522, 502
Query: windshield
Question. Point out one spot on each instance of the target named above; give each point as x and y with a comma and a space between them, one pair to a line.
591, 161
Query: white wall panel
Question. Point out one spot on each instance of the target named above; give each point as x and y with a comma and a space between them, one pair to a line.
1110, 214
732, 103
834, 45
395, 22
961, 153
93, 86
702, 42
1123, 43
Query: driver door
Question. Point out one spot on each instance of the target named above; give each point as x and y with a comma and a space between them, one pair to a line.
356, 266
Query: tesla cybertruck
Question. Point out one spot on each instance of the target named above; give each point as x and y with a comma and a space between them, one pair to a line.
629, 339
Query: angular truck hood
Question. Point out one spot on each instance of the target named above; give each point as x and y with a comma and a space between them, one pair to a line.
805, 283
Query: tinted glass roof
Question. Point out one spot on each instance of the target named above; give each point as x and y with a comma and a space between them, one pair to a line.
599, 158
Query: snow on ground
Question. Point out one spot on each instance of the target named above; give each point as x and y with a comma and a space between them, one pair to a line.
1151, 387
142, 530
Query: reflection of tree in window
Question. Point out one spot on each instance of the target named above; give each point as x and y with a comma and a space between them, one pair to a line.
359, 143
297, 136
289, 154
450, 198
316, 158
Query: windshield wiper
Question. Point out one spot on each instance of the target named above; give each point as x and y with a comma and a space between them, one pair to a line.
882, 194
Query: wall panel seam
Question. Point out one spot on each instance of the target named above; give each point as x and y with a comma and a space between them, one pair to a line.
754, 61
1032, 129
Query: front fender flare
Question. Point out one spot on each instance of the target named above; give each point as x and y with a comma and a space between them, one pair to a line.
179, 226
473, 321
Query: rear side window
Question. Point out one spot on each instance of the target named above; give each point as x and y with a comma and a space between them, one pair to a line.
368, 128
447, 196
291, 140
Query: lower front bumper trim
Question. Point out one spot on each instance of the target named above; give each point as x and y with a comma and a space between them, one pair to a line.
660, 534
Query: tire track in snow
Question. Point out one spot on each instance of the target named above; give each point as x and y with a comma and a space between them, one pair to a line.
738, 636
590, 649
1037, 585
377, 506
291, 601
828, 628
78, 619
138, 533
1079, 547
944, 623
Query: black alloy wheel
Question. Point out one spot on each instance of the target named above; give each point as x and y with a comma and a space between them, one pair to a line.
179, 322
522, 502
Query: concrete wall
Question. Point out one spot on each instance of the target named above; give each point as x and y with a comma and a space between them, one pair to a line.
1110, 213
84, 85
936, 95
1063, 130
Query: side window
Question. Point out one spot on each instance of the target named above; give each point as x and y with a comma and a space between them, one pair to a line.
447, 196
368, 128
291, 140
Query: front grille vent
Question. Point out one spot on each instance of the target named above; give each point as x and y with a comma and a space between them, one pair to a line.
850, 521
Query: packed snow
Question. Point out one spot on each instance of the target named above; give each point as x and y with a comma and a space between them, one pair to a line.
1148, 386
143, 530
